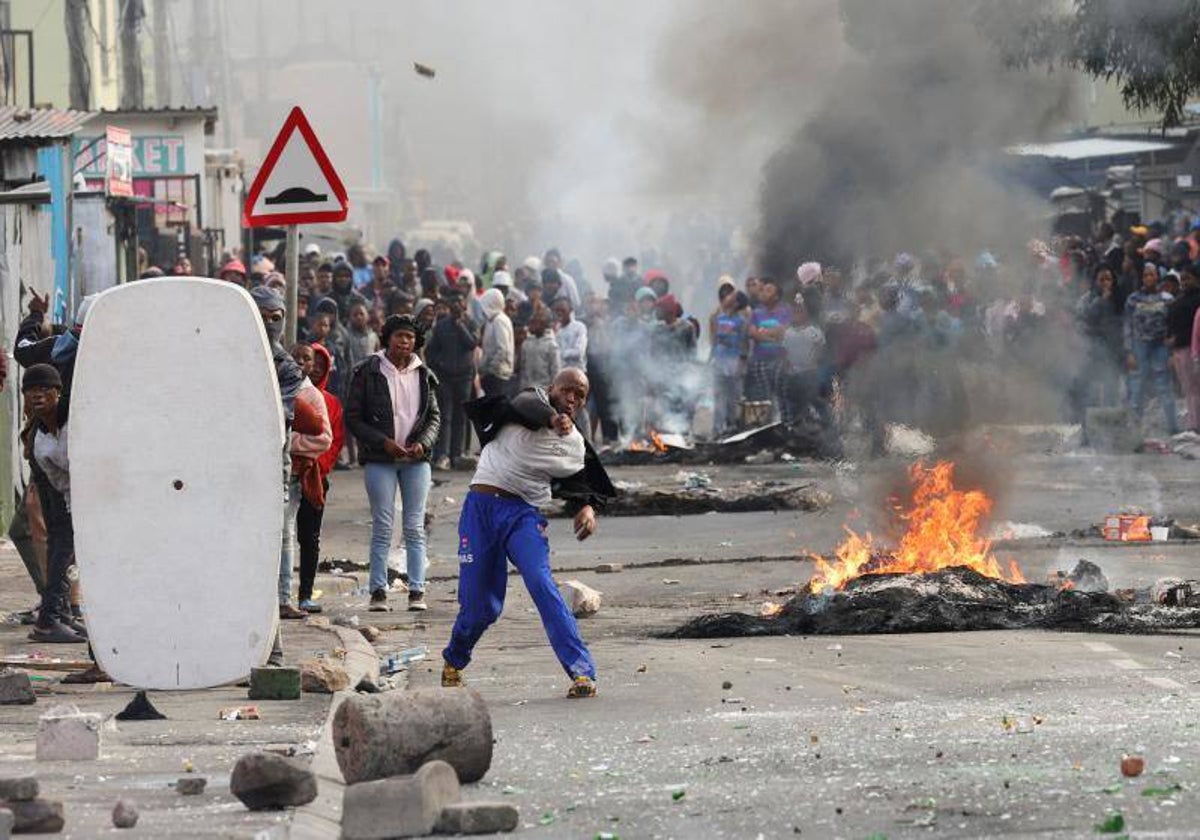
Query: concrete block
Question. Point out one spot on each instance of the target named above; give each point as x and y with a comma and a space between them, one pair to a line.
15, 688
265, 781
477, 818
376, 736
38, 816
124, 814
19, 788
275, 683
320, 677
67, 734
402, 806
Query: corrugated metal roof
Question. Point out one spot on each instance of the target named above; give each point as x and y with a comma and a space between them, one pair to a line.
1090, 147
18, 123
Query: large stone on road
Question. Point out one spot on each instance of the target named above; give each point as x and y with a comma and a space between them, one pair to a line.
19, 788
38, 816
320, 677
404, 806
265, 781
477, 818
66, 734
376, 736
15, 688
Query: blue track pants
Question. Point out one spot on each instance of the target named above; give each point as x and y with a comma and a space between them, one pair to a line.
492, 531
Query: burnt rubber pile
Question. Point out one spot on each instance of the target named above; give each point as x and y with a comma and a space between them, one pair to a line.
956, 599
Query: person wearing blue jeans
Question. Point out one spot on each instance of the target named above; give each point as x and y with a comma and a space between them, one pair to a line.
392, 410
532, 452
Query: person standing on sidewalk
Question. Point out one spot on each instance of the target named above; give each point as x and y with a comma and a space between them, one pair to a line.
451, 355
532, 452
315, 362
392, 409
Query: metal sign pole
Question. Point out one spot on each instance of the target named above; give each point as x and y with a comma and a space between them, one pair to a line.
293, 284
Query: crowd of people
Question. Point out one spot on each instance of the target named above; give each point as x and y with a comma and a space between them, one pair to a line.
393, 351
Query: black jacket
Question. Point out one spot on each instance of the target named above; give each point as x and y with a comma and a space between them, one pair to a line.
34, 349
531, 408
451, 349
369, 412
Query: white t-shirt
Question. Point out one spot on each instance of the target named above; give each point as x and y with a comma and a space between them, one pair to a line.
522, 461
50, 451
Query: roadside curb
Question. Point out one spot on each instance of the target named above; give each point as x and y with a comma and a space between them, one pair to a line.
321, 819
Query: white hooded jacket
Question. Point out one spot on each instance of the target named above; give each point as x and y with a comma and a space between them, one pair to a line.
498, 348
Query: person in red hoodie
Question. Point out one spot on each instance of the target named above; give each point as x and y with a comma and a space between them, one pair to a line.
316, 363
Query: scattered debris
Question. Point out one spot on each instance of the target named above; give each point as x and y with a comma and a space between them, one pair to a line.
191, 785
609, 568
239, 713
1125, 527
15, 688
270, 683
952, 599
726, 685
399, 806
1132, 766
743, 497
1114, 823
477, 818
678, 795
694, 480
582, 600
140, 708
370, 632
390, 734
641, 669
394, 663
67, 734
347, 621
670, 581
770, 609
124, 814
318, 676
265, 781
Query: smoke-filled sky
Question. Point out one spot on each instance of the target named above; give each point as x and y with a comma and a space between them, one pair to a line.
589, 125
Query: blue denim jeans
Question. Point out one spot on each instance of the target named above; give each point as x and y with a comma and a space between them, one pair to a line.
287, 554
413, 479
1153, 370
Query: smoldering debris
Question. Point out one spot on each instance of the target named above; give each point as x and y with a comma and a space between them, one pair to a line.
958, 599
797, 440
740, 497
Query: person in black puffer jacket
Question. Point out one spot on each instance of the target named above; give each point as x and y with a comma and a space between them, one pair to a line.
392, 410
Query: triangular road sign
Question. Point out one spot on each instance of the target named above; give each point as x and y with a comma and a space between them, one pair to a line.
297, 184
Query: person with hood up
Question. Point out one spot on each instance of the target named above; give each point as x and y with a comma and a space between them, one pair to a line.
343, 293
392, 409
396, 254
315, 362
1146, 345
498, 348
451, 355
540, 359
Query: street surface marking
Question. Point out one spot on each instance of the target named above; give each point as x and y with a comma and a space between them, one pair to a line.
1127, 664
1164, 682
1100, 647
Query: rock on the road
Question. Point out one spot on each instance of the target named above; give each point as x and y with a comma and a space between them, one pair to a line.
582, 600
67, 734
320, 677
376, 736
15, 688
38, 816
477, 818
191, 785
265, 781
124, 814
403, 806
19, 788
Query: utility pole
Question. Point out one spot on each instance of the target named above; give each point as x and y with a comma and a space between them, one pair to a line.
133, 94
76, 14
162, 65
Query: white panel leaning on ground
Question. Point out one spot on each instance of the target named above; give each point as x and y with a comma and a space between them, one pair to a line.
177, 436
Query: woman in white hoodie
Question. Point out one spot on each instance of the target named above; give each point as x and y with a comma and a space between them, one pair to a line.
498, 346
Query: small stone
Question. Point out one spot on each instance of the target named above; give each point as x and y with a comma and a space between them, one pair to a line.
124, 814
19, 788
401, 806
15, 688
67, 734
477, 818
582, 600
370, 632
264, 781
274, 683
191, 785
320, 677
1132, 766
318, 621
727, 685
37, 816
609, 568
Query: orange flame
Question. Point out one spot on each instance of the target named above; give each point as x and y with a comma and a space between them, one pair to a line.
652, 443
943, 531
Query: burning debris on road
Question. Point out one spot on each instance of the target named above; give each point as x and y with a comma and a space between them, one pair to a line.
699, 496
942, 576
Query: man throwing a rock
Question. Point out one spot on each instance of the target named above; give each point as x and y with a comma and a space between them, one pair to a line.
532, 452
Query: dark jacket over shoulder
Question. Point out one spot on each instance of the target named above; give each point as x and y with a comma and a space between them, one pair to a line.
451, 348
368, 412
531, 409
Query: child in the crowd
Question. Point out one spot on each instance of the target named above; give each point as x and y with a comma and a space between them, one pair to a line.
804, 348
540, 358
